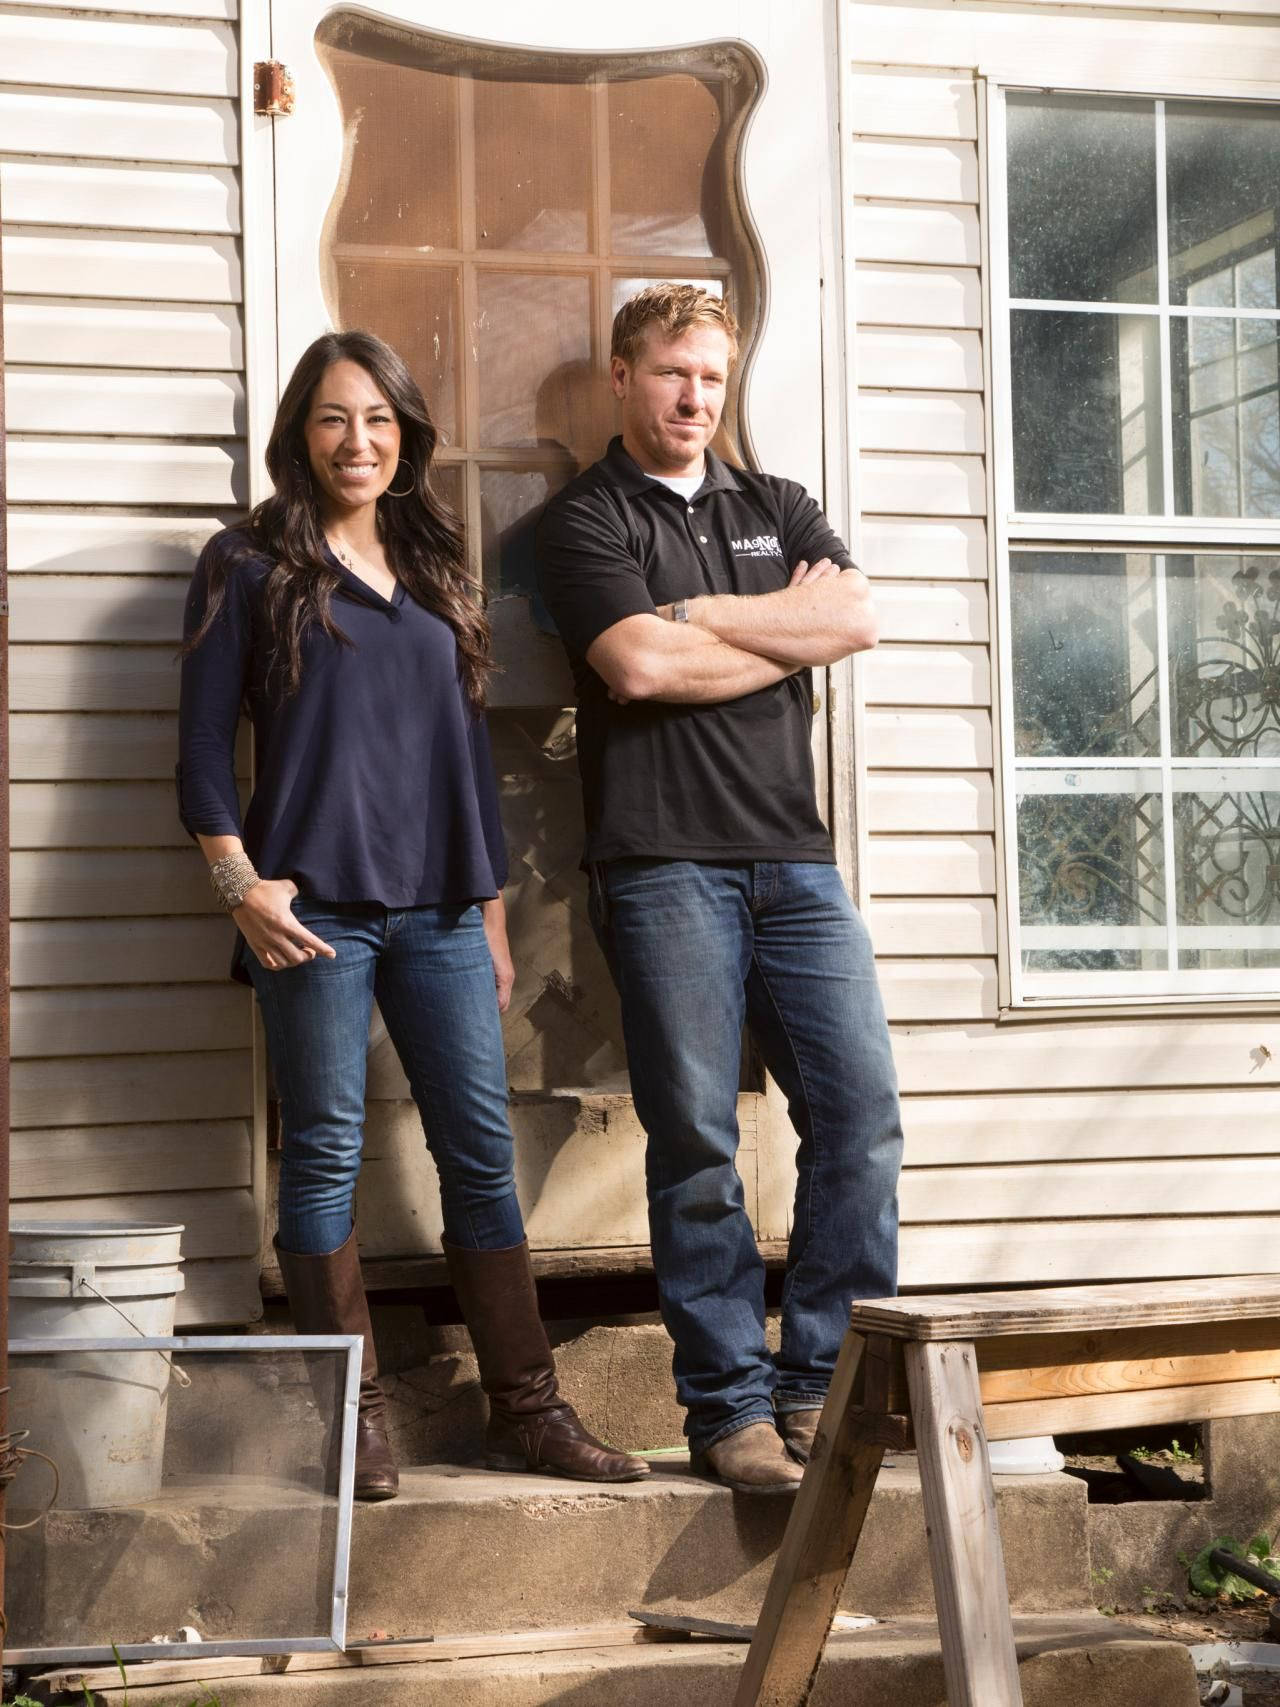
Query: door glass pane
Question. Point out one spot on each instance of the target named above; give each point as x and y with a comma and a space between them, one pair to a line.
1224, 199
400, 128
1086, 412
1082, 199
668, 198
1091, 873
1226, 416
415, 309
532, 331
1224, 656
533, 165
511, 501
1085, 666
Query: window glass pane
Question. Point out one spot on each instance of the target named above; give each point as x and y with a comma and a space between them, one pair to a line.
1225, 843
1082, 199
1224, 656
400, 127
533, 165
415, 309
530, 328
1086, 412
1224, 196
511, 501
1226, 416
1085, 676
667, 195
1091, 873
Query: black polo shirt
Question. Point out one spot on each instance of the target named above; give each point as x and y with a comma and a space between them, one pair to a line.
732, 781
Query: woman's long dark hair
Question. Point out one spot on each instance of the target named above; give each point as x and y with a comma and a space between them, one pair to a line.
420, 532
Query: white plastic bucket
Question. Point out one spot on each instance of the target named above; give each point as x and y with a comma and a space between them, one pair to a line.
99, 1416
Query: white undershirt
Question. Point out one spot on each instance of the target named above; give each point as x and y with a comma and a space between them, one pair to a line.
683, 484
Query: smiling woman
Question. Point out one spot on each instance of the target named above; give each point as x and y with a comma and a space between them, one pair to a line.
369, 865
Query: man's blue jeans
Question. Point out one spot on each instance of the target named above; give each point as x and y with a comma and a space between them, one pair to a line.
697, 948
432, 974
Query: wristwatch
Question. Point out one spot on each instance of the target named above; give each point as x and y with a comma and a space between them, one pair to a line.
680, 611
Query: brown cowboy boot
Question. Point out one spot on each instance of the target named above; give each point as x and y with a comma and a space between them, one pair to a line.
530, 1426
752, 1460
326, 1296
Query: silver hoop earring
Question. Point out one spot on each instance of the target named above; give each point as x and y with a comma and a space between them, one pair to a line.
413, 482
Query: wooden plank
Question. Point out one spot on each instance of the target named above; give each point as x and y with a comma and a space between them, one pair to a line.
95, 678
85, 1090
104, 542
917, 296
938, 990
163, 1019
49, 952
923, 485
928, 675
963, 927
1097, 1411
98, 1159
920, 421
916, 170
219, 1294
914, 802
66, 745
94, 815
905, 359
1020, 1368
887, 100
124, 198
928, 740
979, 1661
1061, 1189
919, 610
908, 547
1088, 1056
122, 334
217, 1223
126, 471
100, 607
97, 125
1081, 1126
817, 1549
91, 53
932, 865
57, 884
172, 265
86, 400
916, 232
1019, 1253
1070, 1309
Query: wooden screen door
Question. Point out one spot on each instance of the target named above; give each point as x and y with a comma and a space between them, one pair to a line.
486, 203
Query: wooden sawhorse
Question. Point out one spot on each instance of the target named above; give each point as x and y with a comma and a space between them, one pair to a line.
948, 1373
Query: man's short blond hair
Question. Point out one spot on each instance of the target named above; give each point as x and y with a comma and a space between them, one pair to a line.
673, 308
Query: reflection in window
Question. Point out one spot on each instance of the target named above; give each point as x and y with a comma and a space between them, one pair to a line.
495, 206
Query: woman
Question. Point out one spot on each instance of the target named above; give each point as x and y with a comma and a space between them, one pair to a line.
370, 865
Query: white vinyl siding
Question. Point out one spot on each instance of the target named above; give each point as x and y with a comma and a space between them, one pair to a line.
132, 1051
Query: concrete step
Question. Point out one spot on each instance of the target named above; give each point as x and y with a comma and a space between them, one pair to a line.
1082, 1660
470, 1549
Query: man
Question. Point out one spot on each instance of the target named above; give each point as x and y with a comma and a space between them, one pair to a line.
693, 599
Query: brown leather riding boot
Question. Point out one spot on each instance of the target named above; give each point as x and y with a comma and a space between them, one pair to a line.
326, 1296
530, 1425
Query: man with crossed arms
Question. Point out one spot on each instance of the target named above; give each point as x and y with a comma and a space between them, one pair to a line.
693, 600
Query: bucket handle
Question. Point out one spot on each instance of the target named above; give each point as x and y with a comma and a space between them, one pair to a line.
80, 1273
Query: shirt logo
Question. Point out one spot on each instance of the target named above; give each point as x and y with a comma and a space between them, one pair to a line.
763, 545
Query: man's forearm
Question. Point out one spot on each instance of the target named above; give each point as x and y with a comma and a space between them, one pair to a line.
718, 672
808, 623
644, 658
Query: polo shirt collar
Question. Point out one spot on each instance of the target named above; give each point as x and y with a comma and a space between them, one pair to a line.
625, 472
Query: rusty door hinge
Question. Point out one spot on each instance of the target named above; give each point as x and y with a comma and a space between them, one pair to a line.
272, 89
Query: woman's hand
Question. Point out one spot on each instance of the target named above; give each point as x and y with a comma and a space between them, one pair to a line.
271, 929
494, 914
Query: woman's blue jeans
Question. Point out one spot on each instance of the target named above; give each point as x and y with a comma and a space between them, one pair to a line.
697, 949
430, 970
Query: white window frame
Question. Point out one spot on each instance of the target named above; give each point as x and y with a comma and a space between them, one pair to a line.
1012, 530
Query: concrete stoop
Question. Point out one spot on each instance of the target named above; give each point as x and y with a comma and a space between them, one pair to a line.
1083, 1660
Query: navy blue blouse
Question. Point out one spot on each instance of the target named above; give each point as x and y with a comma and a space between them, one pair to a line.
374, 781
